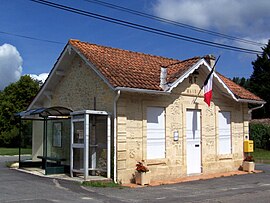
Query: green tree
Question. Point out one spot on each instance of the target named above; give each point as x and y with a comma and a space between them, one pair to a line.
15, 98
242, 82
259, 81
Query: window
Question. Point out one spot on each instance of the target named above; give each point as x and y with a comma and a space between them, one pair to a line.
57, 134
224, 121
155, 133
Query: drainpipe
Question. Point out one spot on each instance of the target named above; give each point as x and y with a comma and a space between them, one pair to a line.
114, 135
252, 109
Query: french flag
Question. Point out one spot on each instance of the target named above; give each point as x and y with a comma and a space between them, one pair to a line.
207, 87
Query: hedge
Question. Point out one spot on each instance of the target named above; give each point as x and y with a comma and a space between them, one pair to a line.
260, 134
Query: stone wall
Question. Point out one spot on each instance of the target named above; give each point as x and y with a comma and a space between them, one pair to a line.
78, 88
37, 139
132, 135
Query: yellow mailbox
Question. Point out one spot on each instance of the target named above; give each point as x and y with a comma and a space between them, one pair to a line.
248, 146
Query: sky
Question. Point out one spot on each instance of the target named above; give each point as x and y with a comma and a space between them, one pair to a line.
245, 19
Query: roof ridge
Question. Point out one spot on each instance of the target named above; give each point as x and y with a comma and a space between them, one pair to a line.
195, 57
181, 62
134, 52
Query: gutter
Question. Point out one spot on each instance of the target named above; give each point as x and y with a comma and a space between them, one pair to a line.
250, 101
114, 135
146, 91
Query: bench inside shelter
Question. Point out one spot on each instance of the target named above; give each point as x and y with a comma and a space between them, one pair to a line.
52, 165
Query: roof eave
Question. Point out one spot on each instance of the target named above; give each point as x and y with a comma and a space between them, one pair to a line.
226, 87
138, 90
47, 81
203, 62
250, 101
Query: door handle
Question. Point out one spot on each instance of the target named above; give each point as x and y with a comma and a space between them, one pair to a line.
197, 145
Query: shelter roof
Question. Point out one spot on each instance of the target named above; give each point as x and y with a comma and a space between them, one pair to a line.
45, 112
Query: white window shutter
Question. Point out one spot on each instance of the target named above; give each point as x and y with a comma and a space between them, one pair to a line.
224, 120
155, 133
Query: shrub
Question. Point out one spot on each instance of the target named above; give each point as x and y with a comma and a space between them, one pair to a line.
260, 134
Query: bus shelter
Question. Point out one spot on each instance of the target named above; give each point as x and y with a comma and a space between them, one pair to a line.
78, 142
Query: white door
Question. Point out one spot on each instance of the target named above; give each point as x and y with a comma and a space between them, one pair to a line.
193, 138
155, 133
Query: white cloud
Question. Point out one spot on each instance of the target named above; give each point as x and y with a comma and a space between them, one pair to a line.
10, 65
240, 17
42, 76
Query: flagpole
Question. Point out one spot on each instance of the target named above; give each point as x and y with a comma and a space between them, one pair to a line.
197, 96
207, 76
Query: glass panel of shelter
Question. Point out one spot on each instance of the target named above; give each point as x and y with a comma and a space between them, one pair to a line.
98, 145
78, 145
58, 148
78, 132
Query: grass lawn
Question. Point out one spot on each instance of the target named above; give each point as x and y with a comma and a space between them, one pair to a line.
14, 151
102, 184
261, 155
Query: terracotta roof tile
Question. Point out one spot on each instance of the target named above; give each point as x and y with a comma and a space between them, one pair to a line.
131, 69
124, 68
178, 70
239, 91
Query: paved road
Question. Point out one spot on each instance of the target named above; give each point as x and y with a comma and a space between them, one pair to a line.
16, 186
243, 188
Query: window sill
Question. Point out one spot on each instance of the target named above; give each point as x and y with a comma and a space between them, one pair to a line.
151, 162
225, 157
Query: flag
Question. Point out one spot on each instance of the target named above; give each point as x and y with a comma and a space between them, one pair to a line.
207, 87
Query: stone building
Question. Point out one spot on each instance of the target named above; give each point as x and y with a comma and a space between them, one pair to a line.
157, 111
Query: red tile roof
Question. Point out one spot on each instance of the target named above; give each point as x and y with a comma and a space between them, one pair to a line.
124, 68
239, 91
130, 69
